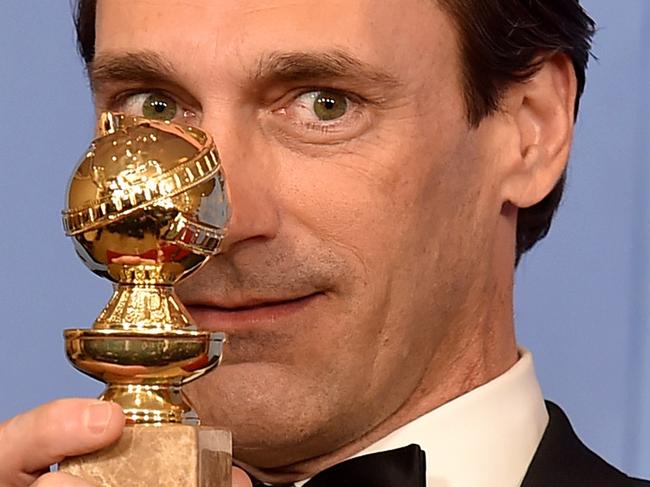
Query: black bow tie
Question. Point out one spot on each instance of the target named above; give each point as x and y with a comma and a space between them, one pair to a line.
404, 467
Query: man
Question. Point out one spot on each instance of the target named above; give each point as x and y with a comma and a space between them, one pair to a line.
388, 163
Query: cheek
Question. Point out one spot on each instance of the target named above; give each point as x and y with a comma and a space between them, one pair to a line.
385, 201
343, 203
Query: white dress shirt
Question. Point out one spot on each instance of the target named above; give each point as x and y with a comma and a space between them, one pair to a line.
485, 438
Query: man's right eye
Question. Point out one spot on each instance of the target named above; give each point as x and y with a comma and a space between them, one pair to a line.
152, 105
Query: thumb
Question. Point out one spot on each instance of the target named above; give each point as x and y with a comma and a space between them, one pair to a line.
240, 479
32, 441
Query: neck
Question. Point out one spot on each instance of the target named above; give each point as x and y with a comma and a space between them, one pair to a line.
463, 362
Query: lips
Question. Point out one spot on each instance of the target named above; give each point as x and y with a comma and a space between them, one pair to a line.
250, 313
249, 304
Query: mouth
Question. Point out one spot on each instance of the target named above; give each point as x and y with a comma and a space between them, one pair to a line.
250, 314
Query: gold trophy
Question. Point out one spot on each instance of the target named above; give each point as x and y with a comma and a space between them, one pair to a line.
146, 207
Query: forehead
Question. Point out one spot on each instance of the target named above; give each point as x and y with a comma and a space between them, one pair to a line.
406, 36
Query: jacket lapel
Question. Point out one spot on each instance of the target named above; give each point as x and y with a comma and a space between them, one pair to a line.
562, 460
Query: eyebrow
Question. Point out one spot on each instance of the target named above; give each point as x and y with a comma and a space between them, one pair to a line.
149, 66
325, 65
143, 66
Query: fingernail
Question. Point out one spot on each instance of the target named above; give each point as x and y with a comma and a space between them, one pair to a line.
97, 417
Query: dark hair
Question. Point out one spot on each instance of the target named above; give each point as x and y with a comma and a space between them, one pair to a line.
502, 42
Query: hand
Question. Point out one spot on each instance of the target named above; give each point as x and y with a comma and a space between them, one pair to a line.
32, 441
240, 479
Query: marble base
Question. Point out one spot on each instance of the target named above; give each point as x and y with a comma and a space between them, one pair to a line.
159, 456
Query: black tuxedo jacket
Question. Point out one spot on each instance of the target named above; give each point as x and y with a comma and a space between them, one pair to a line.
562, 460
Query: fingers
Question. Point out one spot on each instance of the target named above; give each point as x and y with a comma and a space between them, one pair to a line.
32, 441
60, 479
240, 479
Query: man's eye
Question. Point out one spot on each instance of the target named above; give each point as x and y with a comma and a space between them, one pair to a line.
321, 106
323, 116
150, 105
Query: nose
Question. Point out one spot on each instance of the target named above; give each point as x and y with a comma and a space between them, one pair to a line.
250, 177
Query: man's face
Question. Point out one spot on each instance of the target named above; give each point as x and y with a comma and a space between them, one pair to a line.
355, 183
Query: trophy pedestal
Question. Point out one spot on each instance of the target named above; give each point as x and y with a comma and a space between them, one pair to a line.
170, 455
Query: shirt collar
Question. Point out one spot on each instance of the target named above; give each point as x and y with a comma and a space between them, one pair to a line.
484, 438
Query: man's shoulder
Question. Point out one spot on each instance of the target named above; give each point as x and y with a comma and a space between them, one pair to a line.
563, 460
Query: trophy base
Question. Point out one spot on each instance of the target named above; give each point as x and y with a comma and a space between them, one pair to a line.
171, 455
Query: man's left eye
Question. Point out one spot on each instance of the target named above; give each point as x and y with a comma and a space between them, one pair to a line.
321, 106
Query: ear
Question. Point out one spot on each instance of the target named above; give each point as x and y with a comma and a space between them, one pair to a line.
541, 110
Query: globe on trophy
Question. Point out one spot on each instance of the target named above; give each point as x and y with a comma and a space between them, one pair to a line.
146, 207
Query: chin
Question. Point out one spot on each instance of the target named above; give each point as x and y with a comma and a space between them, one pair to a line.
270, 411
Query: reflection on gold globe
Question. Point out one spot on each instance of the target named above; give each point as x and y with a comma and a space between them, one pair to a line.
146, 206
149, 196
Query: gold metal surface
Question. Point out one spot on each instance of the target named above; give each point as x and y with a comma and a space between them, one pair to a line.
146, 207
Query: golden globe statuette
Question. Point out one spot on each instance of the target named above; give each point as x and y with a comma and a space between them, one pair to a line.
146, 207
